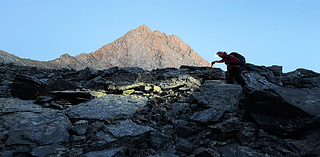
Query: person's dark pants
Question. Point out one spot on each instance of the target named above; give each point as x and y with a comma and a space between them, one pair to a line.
235, 73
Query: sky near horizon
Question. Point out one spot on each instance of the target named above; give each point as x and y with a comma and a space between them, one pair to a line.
266, 32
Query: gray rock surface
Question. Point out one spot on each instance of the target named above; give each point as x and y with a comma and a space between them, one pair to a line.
80, 126
49, 150
110, 107
133, 112
31, 128
103, 153
276, 115
219, 95
307, 99
15, 105
208, 115
126, 128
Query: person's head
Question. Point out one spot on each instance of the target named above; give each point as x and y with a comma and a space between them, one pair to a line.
222, 54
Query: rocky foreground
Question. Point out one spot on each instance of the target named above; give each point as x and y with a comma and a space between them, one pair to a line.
167, 112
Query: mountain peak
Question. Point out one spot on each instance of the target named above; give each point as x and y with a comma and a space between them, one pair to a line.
143, 28
149, 50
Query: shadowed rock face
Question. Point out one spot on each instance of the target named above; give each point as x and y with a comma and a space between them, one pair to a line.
131, 112
137, 48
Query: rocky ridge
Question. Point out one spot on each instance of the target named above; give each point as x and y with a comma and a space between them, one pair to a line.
137, 48
188, 111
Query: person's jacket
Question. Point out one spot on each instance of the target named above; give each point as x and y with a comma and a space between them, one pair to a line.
231, 61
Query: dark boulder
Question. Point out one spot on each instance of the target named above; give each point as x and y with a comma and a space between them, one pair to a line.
58, 84
272, 73
276, 115
26, 87
32, 128
301, 78
219, 95
307, 99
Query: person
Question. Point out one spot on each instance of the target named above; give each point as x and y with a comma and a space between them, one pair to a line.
233, 68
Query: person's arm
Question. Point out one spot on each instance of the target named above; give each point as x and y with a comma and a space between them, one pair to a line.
213, 62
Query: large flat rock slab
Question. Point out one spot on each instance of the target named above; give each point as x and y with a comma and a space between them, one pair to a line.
32, 128
219, 95
12, 105
110, 107
305, 99
277, 116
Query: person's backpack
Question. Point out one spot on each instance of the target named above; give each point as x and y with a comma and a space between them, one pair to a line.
242, 60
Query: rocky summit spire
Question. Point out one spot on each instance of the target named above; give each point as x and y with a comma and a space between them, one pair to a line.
139, 47
146, 49
143, 28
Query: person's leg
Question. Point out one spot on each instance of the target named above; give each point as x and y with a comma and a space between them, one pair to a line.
227, 76
230, 76
238, 77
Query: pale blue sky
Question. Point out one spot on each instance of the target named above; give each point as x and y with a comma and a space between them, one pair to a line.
266, 32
